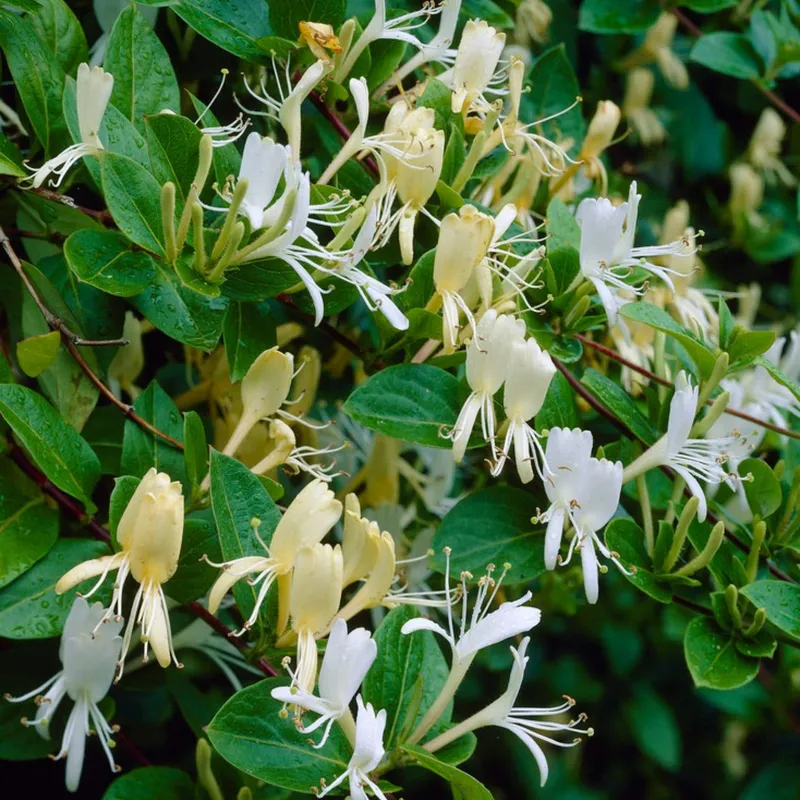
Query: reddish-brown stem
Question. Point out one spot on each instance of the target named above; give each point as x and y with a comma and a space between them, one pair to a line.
768, 93
623, 428
103, 217
692, 606
72, 341
607, 351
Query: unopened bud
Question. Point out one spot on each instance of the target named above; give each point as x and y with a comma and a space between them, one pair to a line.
601, 130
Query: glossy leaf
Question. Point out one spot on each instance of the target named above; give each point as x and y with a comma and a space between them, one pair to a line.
625, 537
248, 331
780, 600
712, 658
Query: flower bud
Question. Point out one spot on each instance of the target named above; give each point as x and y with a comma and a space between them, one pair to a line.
316, 587
601, 130
476, 59
151, 528
747, 191
359, 542
533, 21
464, 238
93, 93
266, 385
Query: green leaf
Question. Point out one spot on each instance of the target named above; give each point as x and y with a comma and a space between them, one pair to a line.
144, 81
712, 658
38, 78
55, 446
248, 331
285, 15
174, 146
195, 454
133, 197
421, 286
780, 600
747, 344
249, 733
558, 409
402, 662
148, 783
194, 576
625, 537
437, 96
10, 158
104, 259
258, 280
37, 353
237, 497
655, 728
103, 431
728, 53
620, 404
181, 313
553, 88
30, 607
462, 785
708, 6
233, 25
124, 489
411, 402
618, 16
762, 645
141, 449
659, 319
62, 33
764, 495
561, 268
562, 227
28, 525
777, 375
727, 564
492, 526
227, 159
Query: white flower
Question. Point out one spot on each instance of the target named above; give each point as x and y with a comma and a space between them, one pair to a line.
607, 254
94, 88
694, 460
348, 657
530, 370
583, 490
367, 753
523, 722
487, 365
89, 650
764, 149
478, 52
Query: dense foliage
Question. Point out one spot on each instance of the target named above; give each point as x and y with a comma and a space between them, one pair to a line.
375, 378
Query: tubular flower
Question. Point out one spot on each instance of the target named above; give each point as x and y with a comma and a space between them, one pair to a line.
306, 521
533, 22
607, 254
523, 722
314, 597
90, 648
694, 460
150, 532
347, 659
367, 753
464, 240
636, 107
584, 491
360, 542
487, 366
477, 56
656, 48
598, 139
530, 370
747, 196
94, 87
764, 149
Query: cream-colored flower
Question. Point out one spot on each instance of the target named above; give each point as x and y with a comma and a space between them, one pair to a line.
478, 52
636, 107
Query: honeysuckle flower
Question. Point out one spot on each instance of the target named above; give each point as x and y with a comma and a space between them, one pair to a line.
530, 370
397, 28
360, 542
128, 361
94, 87
286, 109
347, 659
747, 196
474, 632
150, 533
106, 12
487, 366
656, 47
764, 149
89, 650
599, 137
607, 254
584, 491
636, 107
367, 754
464, 239
321, 40
523, 722
314, 597
533, 22
306, 521
694, 460
477, 56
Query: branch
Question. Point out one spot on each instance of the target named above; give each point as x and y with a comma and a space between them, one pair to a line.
612, 354
768, 93
103, 217
72, 341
